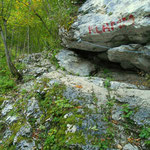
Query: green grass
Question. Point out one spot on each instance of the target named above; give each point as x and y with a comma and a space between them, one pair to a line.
6, 81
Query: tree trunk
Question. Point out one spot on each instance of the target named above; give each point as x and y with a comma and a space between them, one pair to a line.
16, 51
11, 45
11, 66
24, 47
28, 39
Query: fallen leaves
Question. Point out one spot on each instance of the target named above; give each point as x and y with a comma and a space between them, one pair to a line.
102, 140
130, 140
79, 107
79, 86
134, 141
115, 122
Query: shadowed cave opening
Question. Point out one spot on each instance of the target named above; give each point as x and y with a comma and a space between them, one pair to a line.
111, 70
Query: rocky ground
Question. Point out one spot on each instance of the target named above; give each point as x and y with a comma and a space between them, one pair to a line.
87, 63
67, 108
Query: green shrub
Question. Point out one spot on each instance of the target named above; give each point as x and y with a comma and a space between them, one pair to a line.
145, 134
6, 82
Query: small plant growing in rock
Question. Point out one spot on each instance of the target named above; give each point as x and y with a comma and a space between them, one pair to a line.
24, 91
148, 79
145, 134
107, 83
28, 78
55, 106
127, 111
1, 100
110, 13
53, 59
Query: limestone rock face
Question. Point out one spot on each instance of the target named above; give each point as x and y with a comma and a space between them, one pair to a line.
104, 24
130, 56
130, 147
75, 64
124, 93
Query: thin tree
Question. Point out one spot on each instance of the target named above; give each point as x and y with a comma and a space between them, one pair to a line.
4, 16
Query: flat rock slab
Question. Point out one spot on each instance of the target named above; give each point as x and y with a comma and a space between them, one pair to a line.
129, 95
130, 56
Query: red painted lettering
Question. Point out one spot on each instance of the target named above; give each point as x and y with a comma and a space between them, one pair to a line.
106, 28
112, 26
98, 31
132, 17
118, 22
123, 19
91, 30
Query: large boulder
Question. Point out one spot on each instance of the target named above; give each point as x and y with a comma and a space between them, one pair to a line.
74, 63
104, 24
130, 56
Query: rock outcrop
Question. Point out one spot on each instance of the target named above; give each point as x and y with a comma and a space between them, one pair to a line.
102, 25
75, 64
130, 56
87, 112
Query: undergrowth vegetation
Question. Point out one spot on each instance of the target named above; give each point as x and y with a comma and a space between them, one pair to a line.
59, 112
6, 81
62, 14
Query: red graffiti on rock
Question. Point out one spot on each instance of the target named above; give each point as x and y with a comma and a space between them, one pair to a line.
110, 26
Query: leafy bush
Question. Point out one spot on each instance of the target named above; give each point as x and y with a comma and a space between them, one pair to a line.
145, 134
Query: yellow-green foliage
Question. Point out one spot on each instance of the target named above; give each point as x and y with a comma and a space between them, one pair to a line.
1, 100
62, 14
42, 18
